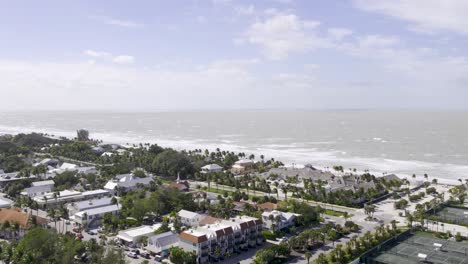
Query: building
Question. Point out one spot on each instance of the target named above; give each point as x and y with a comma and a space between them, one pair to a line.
126, 182
188, 218
211, 168
222, 239
180, 186
162, 242
6, 178
267, 207
241, 166
76, 207
38, 188
131, 237
51, 199
5, 203
93, 217
47, 162
73, 167
15, 215
277, 220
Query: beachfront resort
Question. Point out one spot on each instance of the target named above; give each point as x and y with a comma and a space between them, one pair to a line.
149, 203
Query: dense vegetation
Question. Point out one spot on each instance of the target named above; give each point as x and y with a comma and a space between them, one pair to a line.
46, 246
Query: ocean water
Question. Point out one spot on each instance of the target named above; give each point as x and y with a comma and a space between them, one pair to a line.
401, 142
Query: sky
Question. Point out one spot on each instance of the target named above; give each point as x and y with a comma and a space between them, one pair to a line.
233, 54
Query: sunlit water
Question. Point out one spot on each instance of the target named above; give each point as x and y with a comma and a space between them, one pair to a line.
402, 142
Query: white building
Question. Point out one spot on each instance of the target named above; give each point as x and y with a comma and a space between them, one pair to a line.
241, 166
278, 220
188, 218
76, 207
5, 203
51, 199
132, 236
162, 242
228, 236
38, 188
211, 168
93, 217
127, 182
73, 167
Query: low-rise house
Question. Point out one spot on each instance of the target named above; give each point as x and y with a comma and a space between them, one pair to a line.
188, 218
277, 220
38, 188
24, 220
267, 207
162, 242
132, 237
221, 239
180, 186
210, 168
51, 199
126, 182
47, 162
73, 167
241, 166
76, 207
6, 178
93, 217
209, 220
5, 203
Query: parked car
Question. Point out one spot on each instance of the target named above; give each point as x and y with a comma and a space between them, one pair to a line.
145, 254
161, 255
283, 239
137, 251
76, 230
91, 233
79, 235
132, 255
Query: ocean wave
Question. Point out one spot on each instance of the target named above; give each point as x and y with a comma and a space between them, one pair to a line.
288, 153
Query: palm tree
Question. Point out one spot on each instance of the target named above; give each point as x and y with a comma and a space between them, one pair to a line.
285, 192
322, 259
308, 255
5, 227
51, 214
345, 216
15, 228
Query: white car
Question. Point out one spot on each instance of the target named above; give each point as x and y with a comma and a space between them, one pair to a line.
132, 255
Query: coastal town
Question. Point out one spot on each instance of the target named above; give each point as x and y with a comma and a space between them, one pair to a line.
79, 200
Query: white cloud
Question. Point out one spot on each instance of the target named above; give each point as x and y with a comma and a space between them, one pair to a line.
68, 85
377, 41
428, 16
245, 10
119, 59
339, 33
96, 54
123, 59
281, 34
123, 23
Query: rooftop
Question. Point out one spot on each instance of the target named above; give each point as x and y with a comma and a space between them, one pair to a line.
16, 216
100, 210
187, 214
83, 205
130, 234
42, 183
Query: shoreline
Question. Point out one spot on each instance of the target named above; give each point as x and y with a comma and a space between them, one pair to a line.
314, 158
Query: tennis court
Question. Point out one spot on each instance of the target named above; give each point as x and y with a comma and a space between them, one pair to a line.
423, 249
453, 215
